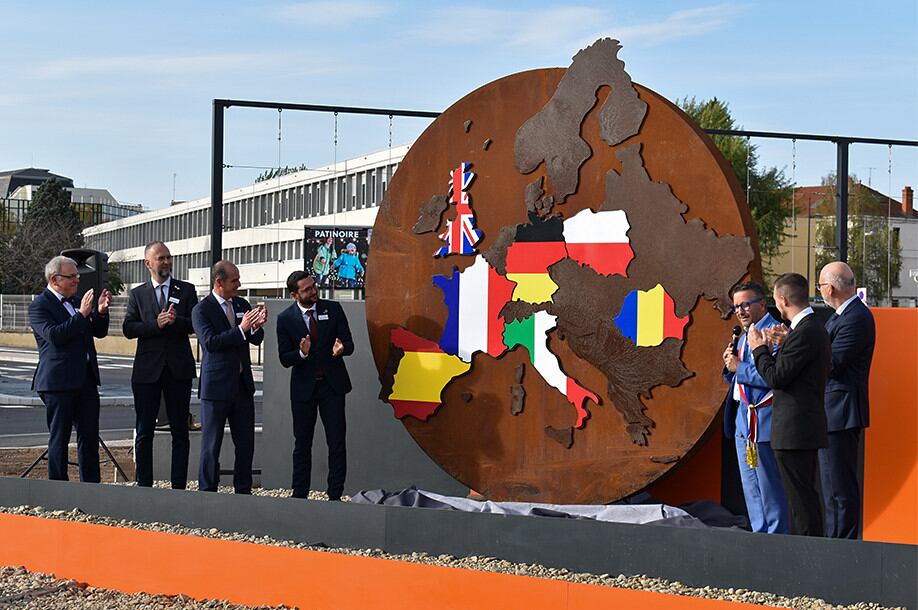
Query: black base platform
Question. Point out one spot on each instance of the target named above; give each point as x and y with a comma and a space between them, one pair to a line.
839, 571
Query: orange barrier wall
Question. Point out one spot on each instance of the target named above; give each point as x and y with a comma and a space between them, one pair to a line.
890, 446
891, 441
244, 573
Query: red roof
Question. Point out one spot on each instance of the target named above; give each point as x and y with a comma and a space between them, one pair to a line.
820, 201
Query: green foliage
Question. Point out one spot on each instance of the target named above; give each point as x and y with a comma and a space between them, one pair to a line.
49, 225
768, 189
115, 284
874, 250
276, 172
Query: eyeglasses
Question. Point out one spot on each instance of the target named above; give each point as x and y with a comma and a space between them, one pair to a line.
819, 286
72, 276
745, 305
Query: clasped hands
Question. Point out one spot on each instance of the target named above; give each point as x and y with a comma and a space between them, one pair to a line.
772, 336
105, 299
254, 319
306, 344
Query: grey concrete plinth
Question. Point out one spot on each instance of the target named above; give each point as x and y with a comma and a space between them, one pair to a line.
381, 453
162, 456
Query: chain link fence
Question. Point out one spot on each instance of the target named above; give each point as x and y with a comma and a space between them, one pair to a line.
14, 313
14, 317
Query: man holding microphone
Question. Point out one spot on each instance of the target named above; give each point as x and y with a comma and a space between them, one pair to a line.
747, 417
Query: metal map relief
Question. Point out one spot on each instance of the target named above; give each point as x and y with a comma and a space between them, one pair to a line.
564, 344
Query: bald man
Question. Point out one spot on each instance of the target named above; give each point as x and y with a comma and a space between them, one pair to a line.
853, 334
226, 325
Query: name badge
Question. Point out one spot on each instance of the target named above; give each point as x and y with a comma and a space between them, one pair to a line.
323, 317
240, 314
174, 300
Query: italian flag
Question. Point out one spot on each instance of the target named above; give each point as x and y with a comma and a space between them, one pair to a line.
532, 333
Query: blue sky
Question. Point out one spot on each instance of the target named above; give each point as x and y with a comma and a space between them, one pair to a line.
118, 95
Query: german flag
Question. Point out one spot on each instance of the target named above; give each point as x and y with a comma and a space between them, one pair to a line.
422, 374
537, 246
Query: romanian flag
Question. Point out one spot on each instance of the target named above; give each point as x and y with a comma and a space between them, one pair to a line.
600, 240
422, 374
473, 300
647, 317
537, 246
532, 333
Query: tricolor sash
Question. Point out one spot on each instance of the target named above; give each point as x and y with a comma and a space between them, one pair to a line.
752, 418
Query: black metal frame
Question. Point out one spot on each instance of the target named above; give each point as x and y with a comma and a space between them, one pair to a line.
841, 169
216, 185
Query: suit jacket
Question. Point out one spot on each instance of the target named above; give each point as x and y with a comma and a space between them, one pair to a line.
798, 377
756, 389
853, 335
225, 349
64, 342
331, 324
158, 348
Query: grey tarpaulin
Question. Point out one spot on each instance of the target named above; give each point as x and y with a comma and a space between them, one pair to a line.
642, 509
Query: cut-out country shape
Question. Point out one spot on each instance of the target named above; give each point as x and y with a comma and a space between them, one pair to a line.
600, 240
460, 235
536, 246
532, 333
648, 317
422, 373
473, 300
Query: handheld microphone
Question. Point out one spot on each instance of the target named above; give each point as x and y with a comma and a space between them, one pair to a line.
737, 333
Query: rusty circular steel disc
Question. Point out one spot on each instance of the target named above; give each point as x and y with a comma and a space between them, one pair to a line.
656, 402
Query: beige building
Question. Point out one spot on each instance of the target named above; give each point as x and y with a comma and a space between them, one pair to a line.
815, 206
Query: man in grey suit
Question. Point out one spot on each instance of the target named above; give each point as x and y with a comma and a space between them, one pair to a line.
853, 334
159, 317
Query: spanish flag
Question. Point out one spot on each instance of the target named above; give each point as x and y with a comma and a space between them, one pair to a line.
647, 317
422, 374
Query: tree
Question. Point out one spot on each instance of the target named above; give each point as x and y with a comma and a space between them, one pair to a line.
277, 172
874, 251
49, 225
115, 284
767, 189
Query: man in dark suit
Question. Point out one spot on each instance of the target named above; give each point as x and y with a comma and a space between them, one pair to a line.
159, 317
853, 334
226, 325
312, 338
797, 376
67, 374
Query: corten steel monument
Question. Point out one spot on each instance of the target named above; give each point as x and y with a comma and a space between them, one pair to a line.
552, 267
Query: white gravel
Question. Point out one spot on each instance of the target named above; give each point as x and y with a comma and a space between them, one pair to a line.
489, 564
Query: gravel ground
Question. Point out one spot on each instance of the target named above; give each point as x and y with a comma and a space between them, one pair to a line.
489, 564
20, 588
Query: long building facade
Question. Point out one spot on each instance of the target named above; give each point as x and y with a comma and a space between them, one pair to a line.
263, 223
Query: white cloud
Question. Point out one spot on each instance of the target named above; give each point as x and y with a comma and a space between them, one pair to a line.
681, 24
321, 13
176, 65
568, 27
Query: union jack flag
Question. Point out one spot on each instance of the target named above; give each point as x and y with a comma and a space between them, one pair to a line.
460, 234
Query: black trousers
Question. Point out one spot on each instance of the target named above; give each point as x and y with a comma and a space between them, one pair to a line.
147, 396
841, 491
799, 472
66, 410
329, 405
240, 413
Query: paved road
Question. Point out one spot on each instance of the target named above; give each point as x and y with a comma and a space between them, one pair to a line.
26, 425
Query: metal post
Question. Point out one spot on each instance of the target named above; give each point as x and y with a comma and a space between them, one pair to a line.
216, 185
841, 202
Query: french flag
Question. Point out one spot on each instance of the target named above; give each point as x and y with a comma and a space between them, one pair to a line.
473, 301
